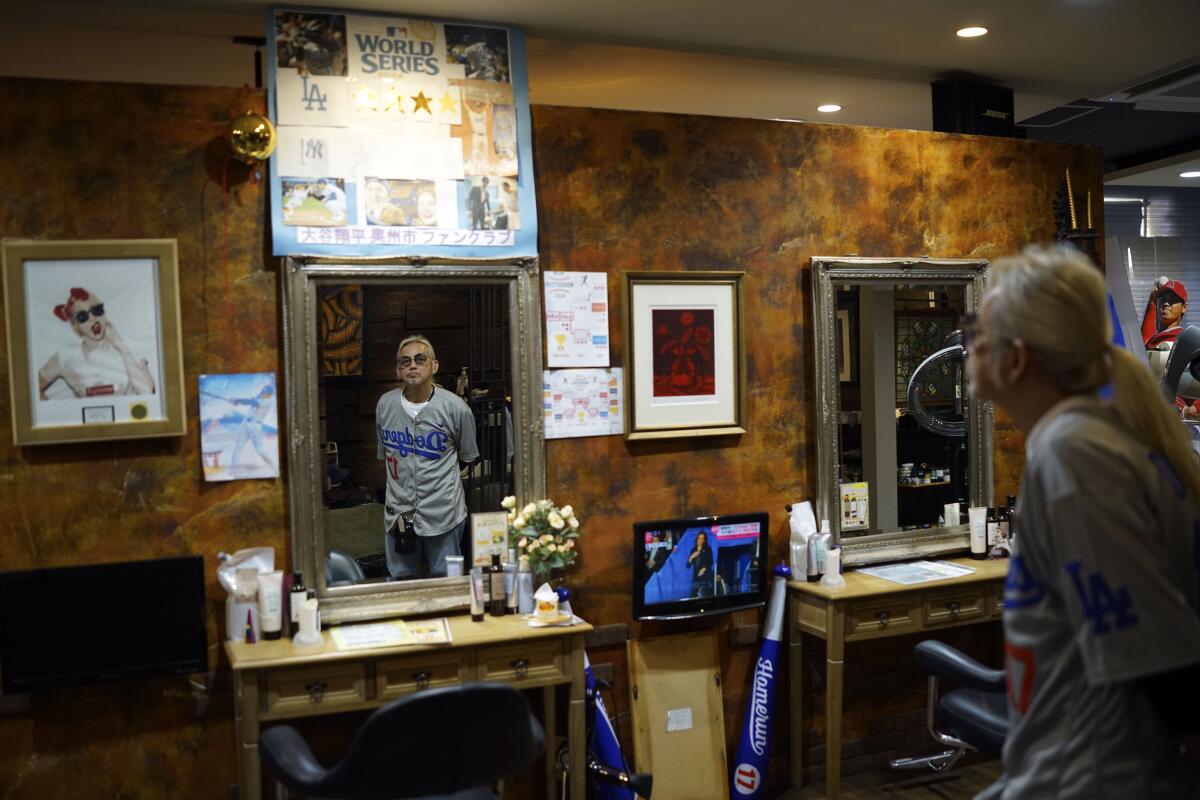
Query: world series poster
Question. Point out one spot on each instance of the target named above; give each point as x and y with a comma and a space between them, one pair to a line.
399, 136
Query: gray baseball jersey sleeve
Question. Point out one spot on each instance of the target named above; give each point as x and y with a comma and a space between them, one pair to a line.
422, 458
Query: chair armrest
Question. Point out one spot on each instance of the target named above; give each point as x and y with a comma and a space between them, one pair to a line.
289, 757
942, 660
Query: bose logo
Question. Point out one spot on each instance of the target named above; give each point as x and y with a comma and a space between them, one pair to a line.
994, 114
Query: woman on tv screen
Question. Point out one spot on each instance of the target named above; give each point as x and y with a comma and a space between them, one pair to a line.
701, 562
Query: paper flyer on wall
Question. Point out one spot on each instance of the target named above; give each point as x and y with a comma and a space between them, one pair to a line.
576, 319
399, 136
239, 428
582, 402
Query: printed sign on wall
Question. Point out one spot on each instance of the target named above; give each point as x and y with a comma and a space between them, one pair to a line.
399, 136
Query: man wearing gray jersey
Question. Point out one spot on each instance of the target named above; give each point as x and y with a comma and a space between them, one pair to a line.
1101, 614
426, 435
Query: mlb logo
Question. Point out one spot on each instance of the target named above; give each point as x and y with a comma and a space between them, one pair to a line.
394, 32
747, 779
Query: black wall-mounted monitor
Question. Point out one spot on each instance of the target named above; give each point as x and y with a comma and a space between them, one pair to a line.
67, 626
699, 566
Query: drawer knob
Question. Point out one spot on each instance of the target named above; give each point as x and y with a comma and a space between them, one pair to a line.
520, 666
316, 691
883, 617
953, 607
422, 679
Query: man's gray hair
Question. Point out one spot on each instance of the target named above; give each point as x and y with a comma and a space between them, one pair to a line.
413, 340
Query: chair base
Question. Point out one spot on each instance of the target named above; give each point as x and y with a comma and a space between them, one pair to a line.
938, 763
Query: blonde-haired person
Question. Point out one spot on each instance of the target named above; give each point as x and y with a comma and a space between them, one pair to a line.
1101, 622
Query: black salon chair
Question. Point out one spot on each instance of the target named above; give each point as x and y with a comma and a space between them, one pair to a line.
973, 717
449, 743
342, 570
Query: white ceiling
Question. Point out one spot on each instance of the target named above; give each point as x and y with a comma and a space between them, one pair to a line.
1155, 175
761, 58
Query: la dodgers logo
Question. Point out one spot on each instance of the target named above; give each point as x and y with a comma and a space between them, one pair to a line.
312, 95
432, 445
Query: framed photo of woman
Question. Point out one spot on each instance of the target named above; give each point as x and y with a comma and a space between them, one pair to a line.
93, 334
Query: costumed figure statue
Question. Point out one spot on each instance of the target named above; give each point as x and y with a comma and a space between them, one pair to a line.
1162, 323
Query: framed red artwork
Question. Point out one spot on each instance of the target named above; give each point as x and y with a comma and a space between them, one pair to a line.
684, 354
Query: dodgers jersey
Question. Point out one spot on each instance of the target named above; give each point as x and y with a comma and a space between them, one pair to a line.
1101, 593
422, 458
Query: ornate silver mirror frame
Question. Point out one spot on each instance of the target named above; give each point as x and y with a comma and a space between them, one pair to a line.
828, 272
299, 287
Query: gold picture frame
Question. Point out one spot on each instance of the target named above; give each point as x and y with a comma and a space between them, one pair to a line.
94, 345
685, 355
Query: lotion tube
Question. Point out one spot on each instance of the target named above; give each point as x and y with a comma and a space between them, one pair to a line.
270, 604
977, 517
476, 594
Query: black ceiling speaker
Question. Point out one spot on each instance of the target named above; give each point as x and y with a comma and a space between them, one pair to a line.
963, 106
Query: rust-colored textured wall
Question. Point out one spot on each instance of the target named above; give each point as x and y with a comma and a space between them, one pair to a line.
635, 191
113, 161
617, 191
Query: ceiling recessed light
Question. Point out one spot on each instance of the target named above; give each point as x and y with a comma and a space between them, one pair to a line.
972, 31
1195, 173
829, 108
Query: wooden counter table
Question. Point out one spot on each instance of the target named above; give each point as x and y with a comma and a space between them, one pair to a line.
275, 681
872, 608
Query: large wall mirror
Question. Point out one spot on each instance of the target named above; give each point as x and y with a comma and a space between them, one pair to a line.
899, 435
343, 323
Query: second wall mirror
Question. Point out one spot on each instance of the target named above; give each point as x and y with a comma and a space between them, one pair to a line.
899, 435
343, 322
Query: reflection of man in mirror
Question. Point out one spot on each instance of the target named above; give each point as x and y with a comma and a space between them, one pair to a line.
102, 363
426, 435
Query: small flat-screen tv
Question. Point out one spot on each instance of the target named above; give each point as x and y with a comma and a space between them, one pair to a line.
68, 626
699, 566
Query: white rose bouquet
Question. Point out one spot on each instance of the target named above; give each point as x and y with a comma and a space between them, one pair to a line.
545, 533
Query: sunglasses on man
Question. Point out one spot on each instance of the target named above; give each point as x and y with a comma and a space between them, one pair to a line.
420, 359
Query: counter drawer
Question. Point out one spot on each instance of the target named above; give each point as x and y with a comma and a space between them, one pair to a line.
400, 676
952, 606
534, 662
867, 619
304, 689
995, 600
